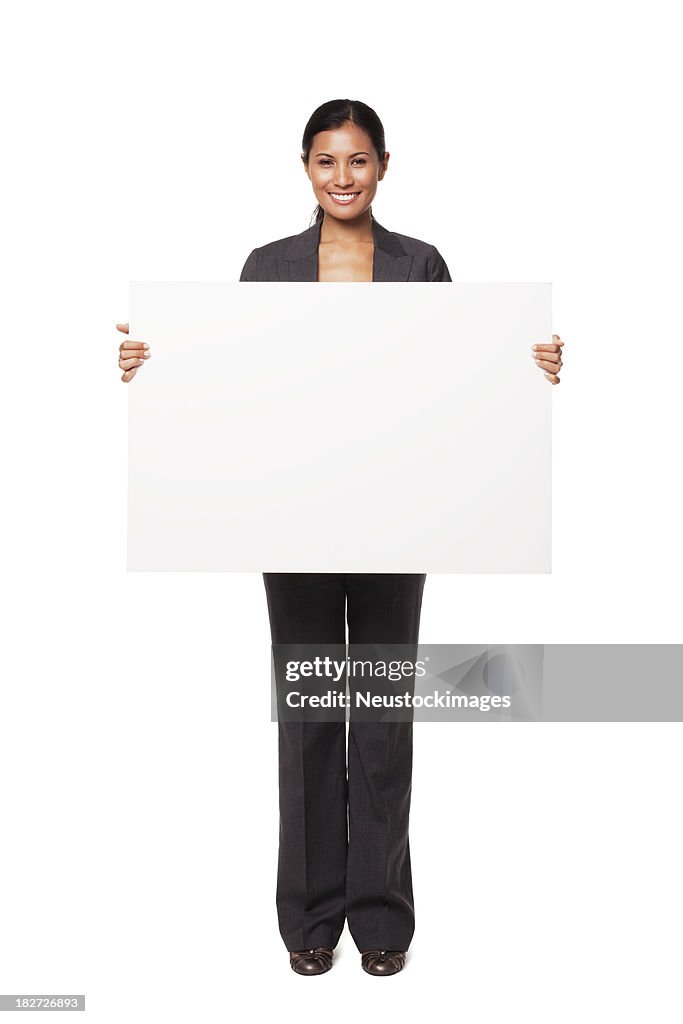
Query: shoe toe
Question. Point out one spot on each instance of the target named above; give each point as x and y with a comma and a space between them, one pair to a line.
383, 962
311, 961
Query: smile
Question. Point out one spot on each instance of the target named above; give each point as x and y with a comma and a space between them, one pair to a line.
343, 198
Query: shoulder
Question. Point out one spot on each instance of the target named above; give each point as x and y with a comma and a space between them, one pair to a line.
278, 246
428, 263
263, 261
412, 246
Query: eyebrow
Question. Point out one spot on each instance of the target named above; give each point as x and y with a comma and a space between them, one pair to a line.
361, 153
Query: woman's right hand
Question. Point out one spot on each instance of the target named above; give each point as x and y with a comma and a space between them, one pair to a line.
132, 354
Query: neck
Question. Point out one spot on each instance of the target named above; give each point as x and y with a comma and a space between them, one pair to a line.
357, 230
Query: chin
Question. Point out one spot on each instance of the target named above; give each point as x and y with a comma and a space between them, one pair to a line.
344, 213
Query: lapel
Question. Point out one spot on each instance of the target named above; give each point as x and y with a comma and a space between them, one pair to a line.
390, 262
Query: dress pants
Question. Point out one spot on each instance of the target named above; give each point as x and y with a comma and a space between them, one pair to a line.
344, 851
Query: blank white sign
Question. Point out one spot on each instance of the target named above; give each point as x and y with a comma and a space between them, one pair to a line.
328, 427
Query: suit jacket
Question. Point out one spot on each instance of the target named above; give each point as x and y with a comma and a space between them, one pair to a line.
396, 258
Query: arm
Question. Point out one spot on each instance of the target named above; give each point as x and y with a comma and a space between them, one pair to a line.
250, 268
436, 266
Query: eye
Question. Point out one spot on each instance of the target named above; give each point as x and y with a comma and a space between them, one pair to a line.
358, 160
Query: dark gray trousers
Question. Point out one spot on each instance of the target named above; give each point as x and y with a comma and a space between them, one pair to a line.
344, 852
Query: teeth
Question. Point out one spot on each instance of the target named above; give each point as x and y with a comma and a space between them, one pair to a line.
344, 197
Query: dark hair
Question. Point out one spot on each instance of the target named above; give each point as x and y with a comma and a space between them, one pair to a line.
334, 114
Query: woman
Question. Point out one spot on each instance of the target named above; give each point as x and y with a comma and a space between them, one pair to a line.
330, 870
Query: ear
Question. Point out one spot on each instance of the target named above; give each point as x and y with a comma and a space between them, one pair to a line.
303, 160
383, 166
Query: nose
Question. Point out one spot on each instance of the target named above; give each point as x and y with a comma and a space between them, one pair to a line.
344, 178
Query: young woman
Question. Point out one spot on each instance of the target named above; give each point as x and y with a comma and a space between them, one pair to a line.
331, 867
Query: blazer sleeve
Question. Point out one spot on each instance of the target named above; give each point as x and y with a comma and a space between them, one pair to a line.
250, 268
436, 266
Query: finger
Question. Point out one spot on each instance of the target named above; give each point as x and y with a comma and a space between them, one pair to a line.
549, 357
126, 364
128, 375
552, 377
549, 364
142, 346
123, 327
557, 340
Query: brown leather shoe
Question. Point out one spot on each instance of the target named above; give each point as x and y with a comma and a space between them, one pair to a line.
311, 961
383, 961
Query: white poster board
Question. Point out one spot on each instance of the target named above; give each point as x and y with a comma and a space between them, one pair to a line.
328, 427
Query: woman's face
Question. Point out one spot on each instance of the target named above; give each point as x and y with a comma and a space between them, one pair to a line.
342, 162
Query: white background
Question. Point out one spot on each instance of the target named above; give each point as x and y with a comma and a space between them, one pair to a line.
529, 141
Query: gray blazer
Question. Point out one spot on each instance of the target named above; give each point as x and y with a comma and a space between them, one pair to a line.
396, 258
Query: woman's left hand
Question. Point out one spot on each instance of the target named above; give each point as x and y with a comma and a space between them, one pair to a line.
549, 358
